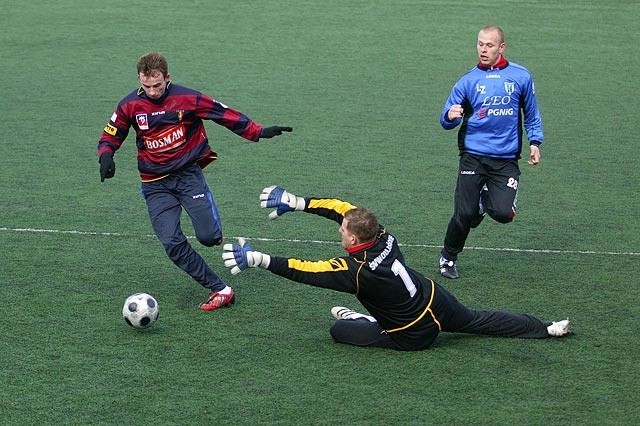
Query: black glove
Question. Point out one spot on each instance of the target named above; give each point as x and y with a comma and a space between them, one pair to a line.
107, 166
269, 132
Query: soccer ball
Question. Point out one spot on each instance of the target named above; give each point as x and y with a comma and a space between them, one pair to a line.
140, 310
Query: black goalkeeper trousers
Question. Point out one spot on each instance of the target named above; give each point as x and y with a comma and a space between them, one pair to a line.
449, 315
456, 317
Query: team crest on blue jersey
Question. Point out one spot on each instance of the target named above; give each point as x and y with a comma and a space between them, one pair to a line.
143, 122
509, 87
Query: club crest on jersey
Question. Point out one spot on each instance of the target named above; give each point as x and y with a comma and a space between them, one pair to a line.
143, 121
509, 87
180, 114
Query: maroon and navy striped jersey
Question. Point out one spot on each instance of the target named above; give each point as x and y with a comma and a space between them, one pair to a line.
170, 134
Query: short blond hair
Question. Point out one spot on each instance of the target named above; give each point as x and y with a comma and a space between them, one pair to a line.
494, 28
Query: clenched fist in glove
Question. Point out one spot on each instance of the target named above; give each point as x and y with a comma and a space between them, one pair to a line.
269, 132
107, 166
241, 256
275, 196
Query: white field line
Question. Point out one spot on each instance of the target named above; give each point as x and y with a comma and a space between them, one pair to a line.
516, 250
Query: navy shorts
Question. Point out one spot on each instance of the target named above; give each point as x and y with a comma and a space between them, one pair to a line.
186, 190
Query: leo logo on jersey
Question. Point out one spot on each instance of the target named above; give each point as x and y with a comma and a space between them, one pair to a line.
496, 105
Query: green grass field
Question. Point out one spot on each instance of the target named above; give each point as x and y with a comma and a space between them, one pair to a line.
362, 83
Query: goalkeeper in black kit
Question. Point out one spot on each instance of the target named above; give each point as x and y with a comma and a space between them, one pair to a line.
406, 310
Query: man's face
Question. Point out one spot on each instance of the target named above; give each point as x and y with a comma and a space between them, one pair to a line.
489, 47
348, 239
154, 84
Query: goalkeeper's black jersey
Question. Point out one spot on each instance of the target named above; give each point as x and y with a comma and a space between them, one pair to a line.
397, 296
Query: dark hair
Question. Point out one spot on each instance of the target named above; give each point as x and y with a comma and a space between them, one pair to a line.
362, 223
152, 62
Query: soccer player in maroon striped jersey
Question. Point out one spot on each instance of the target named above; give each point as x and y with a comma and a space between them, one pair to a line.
173, 148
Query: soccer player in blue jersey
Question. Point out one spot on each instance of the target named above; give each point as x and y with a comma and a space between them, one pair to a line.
406, 310
173, 148
491, 103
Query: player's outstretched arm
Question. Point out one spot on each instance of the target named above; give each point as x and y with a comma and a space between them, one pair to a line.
283, 201
241, 256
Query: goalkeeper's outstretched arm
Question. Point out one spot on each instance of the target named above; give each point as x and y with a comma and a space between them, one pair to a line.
284, 201
241, 256
333, 274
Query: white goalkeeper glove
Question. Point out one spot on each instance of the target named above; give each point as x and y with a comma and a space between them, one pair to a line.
241, 256
275, 196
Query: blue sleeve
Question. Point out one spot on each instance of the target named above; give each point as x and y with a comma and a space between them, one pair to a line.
532, 116
457, 96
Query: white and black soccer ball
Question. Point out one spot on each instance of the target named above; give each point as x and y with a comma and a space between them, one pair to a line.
140, 310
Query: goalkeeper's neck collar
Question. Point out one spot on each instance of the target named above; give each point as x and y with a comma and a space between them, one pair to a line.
361, 247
